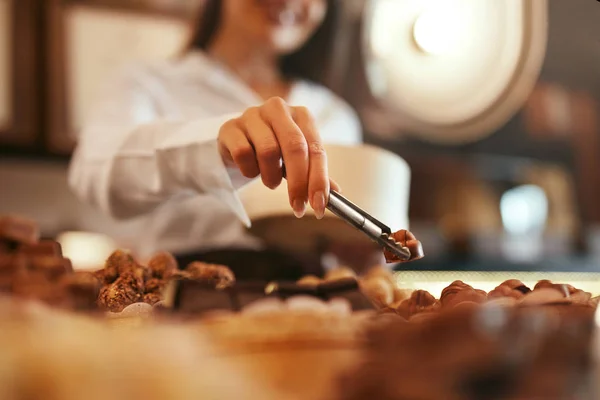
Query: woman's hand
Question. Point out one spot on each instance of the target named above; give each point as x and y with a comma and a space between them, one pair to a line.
263, 136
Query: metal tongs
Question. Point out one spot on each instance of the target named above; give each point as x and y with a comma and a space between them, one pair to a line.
376, 230
370, 226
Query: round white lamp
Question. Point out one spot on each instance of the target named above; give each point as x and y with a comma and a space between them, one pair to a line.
453, 71
376, 180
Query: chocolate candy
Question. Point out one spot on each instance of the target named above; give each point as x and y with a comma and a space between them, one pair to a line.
42, 248
52, 266
448, 297
244, 293
345, 288
154, 285
162, 265
419, 301
523, 289
117, 263
194, 297
19, 230
406, 239
510, 288
82, 288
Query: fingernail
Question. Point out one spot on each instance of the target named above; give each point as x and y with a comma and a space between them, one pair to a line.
319, 204
299, 208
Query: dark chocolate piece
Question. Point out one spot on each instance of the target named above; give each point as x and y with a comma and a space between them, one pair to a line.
53, 266
118, 295
523, 289
194, 297
244, 293
119, 262
7, 263
345, 288
406, 239
19, 229
11, 265
43, 248
83, 289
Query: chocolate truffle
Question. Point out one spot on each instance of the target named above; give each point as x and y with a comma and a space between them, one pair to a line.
378, 290
117, 296
117, 263
419, 301
406, 239
162, 265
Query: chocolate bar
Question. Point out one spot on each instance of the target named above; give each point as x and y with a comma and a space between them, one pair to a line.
53, 266
83, 289
42, 248
244, 293
346, 288
12, 263
193, 297
19, 230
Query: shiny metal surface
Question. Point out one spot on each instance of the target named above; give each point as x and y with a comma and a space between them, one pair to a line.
361, 220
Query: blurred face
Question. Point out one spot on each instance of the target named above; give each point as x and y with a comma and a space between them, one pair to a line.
282, 25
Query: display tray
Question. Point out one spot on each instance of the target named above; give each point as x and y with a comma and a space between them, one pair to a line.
474, 264
435, 281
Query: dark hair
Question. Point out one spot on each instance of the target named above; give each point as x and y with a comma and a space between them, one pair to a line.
309, 62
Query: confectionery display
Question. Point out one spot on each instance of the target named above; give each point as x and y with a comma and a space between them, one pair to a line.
489, 352
342, 336
36, 269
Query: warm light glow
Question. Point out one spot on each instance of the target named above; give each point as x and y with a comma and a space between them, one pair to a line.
435, 281
384, 27
441, 30
86, 250
524, 210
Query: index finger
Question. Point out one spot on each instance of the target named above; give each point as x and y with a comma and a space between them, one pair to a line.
294, 151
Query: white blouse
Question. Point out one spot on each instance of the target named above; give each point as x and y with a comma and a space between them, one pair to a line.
150, 151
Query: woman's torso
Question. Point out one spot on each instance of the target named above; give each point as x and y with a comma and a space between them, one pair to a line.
195, 87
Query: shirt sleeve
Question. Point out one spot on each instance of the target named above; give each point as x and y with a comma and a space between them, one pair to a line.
130, 158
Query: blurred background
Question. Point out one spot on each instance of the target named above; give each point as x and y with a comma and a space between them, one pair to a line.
505, 163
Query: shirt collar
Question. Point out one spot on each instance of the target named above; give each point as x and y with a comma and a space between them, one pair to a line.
199, 67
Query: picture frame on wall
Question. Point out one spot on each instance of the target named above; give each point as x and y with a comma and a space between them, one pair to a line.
5, 64
89, 44
19, 74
